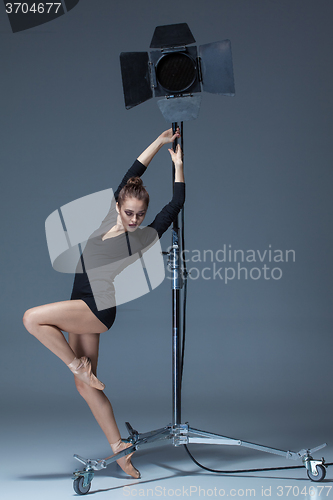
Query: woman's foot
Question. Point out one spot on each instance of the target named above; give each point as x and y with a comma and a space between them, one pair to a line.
81, 367
125, 462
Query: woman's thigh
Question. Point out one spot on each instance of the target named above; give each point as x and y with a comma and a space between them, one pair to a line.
69, 315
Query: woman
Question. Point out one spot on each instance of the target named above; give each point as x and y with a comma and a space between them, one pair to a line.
83, 317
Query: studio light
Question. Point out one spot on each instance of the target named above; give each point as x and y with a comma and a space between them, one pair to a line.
177, 72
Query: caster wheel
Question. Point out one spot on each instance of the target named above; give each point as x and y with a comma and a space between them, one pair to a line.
320, 476
78, 486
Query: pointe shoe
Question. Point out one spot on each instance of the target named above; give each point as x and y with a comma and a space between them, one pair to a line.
125, 462
82, 369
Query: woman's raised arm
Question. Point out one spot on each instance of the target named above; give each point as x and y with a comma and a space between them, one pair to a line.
165, 138
177, 158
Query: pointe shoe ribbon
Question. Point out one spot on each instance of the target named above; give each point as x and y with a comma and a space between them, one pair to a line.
125, 462
82, 370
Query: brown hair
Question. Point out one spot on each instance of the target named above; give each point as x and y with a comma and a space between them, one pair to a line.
134, 189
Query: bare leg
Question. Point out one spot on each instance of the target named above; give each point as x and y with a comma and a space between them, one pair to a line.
87, 345
46, 322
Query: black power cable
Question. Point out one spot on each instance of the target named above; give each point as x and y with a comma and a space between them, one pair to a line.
240, 470
243, 470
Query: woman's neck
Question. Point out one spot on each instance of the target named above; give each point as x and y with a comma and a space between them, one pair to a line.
116, 230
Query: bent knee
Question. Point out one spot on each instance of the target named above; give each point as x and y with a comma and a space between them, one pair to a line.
30, 319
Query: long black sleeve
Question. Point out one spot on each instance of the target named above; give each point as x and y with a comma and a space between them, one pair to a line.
168, 213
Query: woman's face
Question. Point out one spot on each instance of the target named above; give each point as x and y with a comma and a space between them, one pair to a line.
132, 212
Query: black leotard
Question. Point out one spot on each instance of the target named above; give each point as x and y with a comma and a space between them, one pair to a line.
102, 260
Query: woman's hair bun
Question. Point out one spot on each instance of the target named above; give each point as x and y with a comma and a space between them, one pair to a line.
134, 182
134, 188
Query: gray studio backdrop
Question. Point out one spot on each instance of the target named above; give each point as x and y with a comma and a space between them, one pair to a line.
259, 180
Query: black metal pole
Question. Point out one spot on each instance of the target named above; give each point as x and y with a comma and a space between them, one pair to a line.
176, 286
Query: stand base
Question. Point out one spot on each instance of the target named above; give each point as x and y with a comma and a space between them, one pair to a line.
181, 434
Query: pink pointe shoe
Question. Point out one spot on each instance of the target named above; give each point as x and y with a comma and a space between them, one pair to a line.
125, 462
82, 370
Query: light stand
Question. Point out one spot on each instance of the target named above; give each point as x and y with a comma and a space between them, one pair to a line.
177, 284
177, 432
